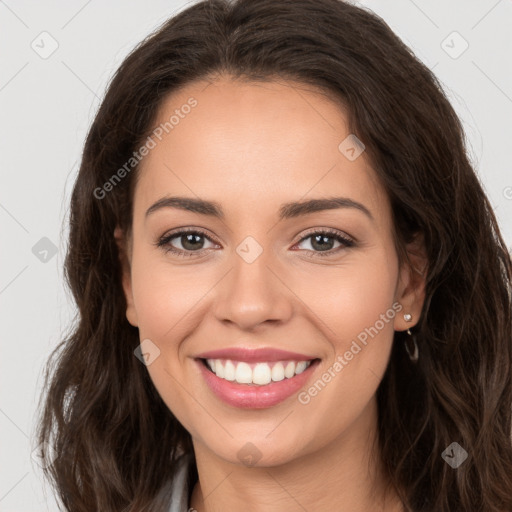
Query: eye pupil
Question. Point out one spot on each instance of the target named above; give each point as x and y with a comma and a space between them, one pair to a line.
188, 244
319, 242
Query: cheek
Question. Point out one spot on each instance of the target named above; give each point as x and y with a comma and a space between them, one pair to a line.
168, 303
165, 296
347, 299
358, 306
353, 296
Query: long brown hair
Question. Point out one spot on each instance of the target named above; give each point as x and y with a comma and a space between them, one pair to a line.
102, 414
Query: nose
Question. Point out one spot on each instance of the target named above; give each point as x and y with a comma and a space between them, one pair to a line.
253, 294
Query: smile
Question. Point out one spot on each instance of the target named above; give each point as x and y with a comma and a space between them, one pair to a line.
255, 385
260, 374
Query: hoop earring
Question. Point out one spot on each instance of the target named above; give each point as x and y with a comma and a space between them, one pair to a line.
412, 351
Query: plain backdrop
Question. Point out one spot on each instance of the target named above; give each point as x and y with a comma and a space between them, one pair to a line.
56, 59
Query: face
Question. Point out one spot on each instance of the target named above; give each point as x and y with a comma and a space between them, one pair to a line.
251, 277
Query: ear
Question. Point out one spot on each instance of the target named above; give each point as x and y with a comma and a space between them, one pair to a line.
411, 286
124, 251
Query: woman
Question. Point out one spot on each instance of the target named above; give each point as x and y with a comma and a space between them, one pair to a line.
293, 293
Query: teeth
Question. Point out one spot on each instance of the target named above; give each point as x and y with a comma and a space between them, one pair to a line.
219, 370
262, 374
229, 370
301, 366
256, 373
243, 373
278, 372
289, 370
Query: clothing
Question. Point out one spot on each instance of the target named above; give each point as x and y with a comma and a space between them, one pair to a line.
182, 486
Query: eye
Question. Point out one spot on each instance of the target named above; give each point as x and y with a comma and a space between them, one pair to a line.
190, 240
321, 242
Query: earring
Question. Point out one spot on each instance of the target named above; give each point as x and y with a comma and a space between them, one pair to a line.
413, 351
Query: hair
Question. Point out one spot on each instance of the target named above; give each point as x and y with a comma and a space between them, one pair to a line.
102, 413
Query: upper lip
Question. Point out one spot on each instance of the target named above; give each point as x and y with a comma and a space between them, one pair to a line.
254, 355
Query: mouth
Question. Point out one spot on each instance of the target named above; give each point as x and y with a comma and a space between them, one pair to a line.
256, 373
256, 384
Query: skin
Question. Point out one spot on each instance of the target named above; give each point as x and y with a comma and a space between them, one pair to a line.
251, 147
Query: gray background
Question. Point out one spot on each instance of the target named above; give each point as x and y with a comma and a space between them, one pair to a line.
47, 105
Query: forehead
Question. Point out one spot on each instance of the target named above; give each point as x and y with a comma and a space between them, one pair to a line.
253, 144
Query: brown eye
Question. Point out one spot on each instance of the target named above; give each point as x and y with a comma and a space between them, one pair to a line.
323, 242
188, 242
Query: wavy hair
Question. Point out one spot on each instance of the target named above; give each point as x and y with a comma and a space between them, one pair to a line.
101, 411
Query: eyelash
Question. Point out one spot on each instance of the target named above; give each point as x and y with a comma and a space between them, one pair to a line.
164, 242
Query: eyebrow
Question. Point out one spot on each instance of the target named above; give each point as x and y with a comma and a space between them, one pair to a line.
286, 211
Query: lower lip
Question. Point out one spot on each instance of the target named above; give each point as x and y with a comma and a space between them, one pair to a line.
247, 396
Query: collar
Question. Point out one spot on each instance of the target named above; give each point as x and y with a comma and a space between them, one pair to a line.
180, 485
